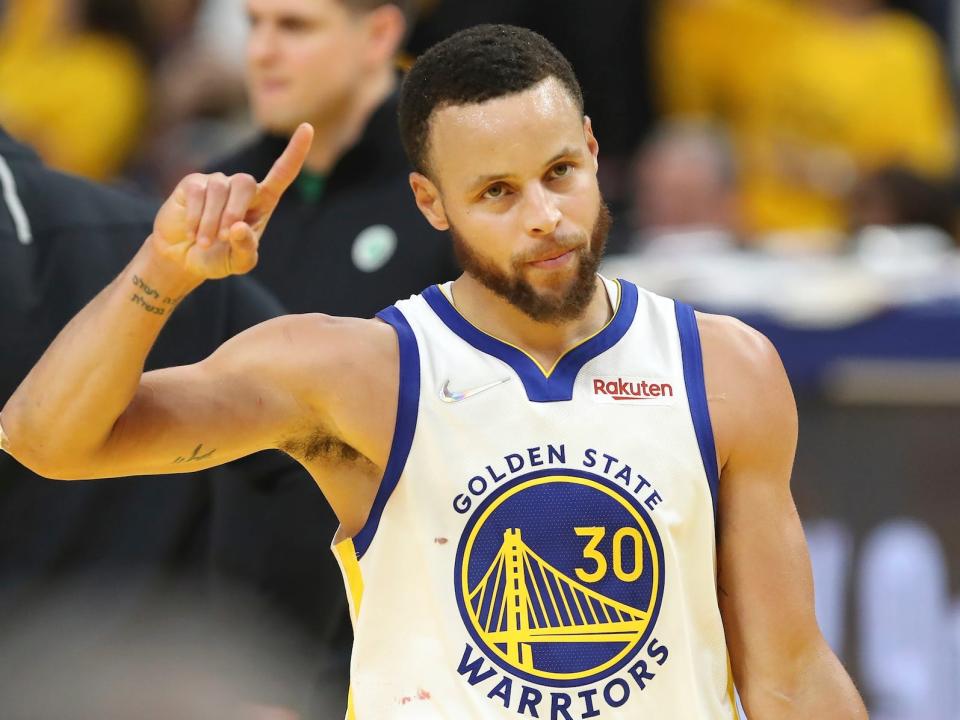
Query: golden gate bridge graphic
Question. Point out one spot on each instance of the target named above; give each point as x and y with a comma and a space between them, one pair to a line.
522, 599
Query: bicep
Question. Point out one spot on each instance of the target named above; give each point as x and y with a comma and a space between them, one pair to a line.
236, 402
185, 419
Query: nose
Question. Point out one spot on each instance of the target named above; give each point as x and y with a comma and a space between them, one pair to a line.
540, 213
261, 44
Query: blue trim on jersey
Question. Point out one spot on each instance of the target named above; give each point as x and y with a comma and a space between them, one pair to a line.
408, 402
558, 385
697, 394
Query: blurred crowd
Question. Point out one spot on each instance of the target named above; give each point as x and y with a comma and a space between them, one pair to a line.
789, 130
781, 123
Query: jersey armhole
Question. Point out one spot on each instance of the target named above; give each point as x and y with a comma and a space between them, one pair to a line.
408, 402
692, 357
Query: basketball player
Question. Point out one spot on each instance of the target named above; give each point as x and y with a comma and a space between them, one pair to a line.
560, 496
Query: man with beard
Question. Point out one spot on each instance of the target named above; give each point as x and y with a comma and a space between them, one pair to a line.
559, 495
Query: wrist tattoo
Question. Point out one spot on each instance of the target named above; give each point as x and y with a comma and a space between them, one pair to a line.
195, 456
138, 299
149, 298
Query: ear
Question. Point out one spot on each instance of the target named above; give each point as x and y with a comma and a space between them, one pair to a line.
386, 27
591, 139
427, 197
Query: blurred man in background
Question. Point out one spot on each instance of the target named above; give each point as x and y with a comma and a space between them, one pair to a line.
86, 569
345, 240
685, 191
331, 63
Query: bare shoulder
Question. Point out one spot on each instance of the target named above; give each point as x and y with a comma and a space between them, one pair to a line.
751, 402
727, 340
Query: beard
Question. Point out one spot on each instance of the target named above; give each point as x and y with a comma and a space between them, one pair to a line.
551, 308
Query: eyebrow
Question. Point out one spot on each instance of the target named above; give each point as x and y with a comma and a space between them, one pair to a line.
567, 152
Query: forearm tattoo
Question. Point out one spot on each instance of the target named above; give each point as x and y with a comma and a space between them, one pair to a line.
195, 456
149, 298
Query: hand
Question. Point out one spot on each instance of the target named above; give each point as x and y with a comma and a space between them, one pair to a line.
212, 224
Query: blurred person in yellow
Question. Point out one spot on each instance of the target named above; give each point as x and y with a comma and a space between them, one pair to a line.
72, 81
816, 94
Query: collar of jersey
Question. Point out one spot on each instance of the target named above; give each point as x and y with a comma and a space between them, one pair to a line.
541, 385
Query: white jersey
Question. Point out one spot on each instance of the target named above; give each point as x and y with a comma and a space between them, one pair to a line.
543, 541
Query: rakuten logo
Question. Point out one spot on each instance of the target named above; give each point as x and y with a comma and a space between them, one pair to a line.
632, 389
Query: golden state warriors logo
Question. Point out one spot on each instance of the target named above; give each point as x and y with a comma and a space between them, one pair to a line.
559, 577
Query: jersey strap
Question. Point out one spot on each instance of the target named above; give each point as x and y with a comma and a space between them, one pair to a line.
408, 403
697, 395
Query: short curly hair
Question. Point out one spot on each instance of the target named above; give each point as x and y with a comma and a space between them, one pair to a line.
472, 66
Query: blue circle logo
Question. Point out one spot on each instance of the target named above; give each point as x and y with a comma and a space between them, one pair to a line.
559, 577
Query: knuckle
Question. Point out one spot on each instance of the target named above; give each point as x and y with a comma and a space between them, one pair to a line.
195, 185
244, 180
218, 183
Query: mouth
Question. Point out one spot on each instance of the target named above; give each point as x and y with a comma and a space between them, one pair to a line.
554, 260
270, 86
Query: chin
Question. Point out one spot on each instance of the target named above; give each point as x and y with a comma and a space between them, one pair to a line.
273, 123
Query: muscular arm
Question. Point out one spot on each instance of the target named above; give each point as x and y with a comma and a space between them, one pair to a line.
782, 666
85, 410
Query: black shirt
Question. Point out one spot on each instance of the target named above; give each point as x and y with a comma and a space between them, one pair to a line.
355, 242
106, 548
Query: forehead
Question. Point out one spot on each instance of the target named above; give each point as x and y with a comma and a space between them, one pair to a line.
506, 135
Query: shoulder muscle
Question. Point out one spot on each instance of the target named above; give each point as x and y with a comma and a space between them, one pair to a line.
750, 399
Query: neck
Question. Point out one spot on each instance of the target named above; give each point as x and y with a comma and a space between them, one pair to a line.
545, 342
338, 132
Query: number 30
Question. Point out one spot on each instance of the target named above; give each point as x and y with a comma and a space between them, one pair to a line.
590, 552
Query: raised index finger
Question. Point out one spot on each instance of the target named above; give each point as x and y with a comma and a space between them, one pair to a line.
285, 169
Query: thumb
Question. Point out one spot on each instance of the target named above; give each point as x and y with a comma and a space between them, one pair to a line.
243, 248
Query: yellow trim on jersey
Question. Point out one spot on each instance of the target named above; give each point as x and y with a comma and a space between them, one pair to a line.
731, 690
350, 566
346, 555
351, 713
546, 373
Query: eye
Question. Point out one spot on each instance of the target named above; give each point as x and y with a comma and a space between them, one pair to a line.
561, 170
495, 192
293, 24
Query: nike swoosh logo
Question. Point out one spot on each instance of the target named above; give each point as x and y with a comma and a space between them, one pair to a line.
452, 396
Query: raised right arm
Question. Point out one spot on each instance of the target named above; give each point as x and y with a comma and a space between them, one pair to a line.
86, 406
